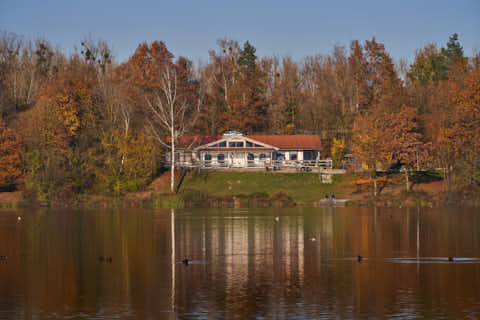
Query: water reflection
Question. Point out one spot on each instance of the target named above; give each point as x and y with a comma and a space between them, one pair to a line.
241, 264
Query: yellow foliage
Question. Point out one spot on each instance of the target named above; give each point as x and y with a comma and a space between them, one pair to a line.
338, 151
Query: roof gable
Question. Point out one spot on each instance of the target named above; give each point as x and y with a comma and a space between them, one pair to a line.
275, 142
225, 143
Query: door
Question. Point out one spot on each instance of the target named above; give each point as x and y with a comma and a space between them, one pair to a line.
238, 159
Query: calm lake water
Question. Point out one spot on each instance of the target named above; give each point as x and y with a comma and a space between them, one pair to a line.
246, 264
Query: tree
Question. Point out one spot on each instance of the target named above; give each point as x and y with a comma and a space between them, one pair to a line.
248, 105
286, 98
404, 140
60, 131
247, 59
219, 77
338, 151
460, 134
10, 161
174, 114
454, 50
369, 142
125, 162
429, 65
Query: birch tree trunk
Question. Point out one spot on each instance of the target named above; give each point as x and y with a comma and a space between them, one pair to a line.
406, 179
172, 162
173, 113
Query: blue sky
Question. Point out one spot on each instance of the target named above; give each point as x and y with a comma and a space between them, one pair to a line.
295, 28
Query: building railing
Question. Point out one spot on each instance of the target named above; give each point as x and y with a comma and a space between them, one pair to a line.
278, 164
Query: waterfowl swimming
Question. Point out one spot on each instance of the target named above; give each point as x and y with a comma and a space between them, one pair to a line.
19, 218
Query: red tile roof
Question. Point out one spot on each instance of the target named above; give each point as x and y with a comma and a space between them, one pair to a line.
290, 142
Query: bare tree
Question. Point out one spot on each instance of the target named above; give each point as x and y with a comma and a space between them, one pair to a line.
174, 113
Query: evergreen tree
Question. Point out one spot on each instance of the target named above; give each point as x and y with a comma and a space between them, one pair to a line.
248, 59
454, 50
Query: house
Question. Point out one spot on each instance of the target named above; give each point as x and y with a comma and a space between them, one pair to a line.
235, 150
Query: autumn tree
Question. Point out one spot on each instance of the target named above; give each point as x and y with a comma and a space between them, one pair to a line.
405, 142
369, 143
460, 135
286, 98
249, 108
174, 112
383, 88
60, 131
330, 102
338, 151
126, 162
10, 161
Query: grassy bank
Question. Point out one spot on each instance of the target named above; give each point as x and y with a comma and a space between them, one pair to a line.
265, 189
300, 187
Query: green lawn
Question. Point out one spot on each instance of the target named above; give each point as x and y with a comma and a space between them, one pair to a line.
301, 187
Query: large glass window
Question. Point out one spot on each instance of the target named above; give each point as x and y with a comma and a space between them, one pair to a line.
208, 157
250, 157
248, 144
231, 144
221, 157
307, 155
258, 146
293, 155
263, 156
239, 144
280, 156
222, 144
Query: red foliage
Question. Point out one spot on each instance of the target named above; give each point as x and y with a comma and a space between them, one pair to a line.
10, 162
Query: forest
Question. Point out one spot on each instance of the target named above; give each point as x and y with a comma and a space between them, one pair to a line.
84, 123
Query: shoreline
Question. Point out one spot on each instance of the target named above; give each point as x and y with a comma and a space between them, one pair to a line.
257, 190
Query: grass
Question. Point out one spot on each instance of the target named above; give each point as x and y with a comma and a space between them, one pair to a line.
301, 187
10, 205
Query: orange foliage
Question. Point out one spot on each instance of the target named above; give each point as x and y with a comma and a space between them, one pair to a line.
10, 170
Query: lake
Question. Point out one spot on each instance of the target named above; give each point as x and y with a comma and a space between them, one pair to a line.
295, 263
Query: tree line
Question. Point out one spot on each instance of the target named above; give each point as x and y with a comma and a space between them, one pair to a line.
85, 123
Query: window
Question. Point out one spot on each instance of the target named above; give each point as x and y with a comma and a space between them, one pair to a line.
258, 146
293, 155
222, 144
250, 157
231, 144
208, 157
240, 144
248, 144
221, 157
307, 155
280, 156
262, 156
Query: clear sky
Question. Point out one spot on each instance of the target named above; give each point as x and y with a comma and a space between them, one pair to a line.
295, 28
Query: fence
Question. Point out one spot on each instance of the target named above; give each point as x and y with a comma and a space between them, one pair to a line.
275, 164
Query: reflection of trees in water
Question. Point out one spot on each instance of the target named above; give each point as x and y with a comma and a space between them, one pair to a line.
62, 265
251, 265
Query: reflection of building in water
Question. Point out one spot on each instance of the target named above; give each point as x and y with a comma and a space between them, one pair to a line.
241, 252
